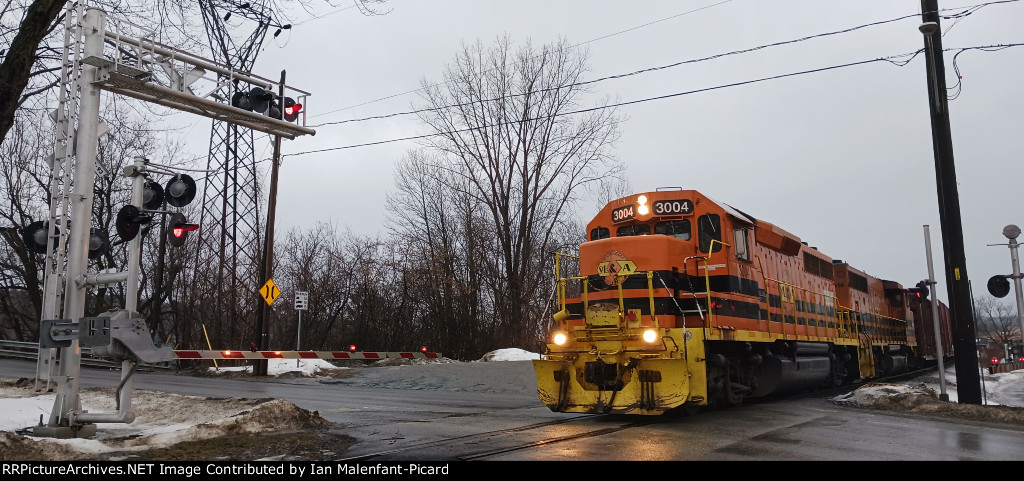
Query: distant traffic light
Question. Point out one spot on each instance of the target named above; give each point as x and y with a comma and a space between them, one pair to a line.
274, 111
998, 286
291, 109
99, 243
152, 196
255, 100
129, 221
923, 289
178, 228
180, 190
34, 236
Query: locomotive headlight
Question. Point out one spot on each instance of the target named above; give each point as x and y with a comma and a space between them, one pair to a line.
650, 336
642, 209
560, 338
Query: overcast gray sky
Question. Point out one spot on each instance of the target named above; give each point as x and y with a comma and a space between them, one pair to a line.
841, 157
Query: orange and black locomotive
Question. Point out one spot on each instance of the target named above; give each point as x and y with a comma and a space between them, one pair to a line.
678, 301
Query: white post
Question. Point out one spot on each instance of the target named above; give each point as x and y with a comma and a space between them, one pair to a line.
298, 338
131, 302
301, 302
1011, 232
93, 24
936, 326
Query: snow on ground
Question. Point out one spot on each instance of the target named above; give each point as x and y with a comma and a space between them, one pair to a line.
157, 425
1001, 389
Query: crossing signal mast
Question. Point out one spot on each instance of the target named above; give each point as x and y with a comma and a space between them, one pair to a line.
121, 58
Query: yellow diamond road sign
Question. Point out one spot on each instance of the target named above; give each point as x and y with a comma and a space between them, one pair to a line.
269, 291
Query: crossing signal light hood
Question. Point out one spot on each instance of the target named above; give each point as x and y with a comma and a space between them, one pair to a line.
178, 228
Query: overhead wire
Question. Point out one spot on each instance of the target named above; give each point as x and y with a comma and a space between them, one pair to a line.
630, 74
573, 46
964, 11
890, 59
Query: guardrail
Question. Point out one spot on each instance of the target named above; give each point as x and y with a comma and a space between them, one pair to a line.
30, 350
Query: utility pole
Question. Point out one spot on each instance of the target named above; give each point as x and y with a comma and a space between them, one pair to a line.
267, 265
958, 287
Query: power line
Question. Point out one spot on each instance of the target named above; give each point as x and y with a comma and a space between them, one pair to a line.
964, 12
890, 59
637, 72
574, 46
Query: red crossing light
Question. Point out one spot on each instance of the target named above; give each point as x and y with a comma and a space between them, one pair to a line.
995, 360
291, 109
352, 347
178, 228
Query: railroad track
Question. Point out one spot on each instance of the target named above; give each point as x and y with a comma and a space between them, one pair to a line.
488, 444
468, 447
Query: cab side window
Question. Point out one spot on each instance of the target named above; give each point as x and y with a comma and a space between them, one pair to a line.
709, 228
740, 243
600, 233
680, 229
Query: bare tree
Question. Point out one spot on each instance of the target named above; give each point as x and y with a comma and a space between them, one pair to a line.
315, 261
439, 233
508, 137
997, 321
22, 53
23, 194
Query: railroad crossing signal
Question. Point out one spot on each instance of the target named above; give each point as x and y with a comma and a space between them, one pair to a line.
178, 228
301, 300
269, 292
291, 109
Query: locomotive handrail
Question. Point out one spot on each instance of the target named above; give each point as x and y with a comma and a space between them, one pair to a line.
710, 322
558, 276
650, 293
585, 295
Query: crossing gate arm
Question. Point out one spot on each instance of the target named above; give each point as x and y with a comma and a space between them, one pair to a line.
335, 355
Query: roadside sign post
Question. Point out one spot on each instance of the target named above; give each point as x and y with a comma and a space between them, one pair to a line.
301, 303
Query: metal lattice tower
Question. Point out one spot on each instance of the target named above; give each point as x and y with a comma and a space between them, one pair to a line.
231, 238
